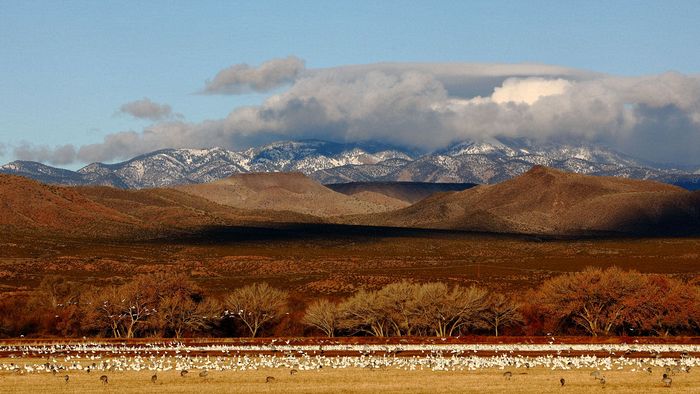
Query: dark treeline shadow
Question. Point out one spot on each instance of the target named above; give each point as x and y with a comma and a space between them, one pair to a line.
221, 235
313, 231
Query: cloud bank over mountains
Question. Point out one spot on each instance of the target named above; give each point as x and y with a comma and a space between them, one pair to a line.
427, 106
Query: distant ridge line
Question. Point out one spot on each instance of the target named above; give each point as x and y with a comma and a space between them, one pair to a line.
470, 161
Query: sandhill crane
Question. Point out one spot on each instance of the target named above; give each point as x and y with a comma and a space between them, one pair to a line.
154, 378
596, 375
562, 381
203, 374
184, 373
602, 381
104, 379
269, 379
667, 380
507, 375
293, 372
66, 378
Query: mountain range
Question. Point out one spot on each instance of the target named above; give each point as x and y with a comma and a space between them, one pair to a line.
480, 162
541, 201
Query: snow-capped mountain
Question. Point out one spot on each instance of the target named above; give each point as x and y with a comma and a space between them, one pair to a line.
495, 160
168, 167
42, 172
486, 161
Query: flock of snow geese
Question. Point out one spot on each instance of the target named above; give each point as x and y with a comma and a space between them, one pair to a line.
102, 358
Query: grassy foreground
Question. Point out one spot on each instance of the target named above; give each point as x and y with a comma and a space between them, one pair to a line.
352, 380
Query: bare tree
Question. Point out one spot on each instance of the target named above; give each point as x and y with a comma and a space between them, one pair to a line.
399, 301
180, 304
138, 303
179, 314
57, 291
501, 311
447, 310
57, 305
256, 305
663, 306
592, 299
364, 312
323, 315
103, 310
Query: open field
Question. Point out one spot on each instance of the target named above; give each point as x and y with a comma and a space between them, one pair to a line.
28, 367
337, 260
355, 380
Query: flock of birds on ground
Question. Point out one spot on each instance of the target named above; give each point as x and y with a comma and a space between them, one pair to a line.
103, 358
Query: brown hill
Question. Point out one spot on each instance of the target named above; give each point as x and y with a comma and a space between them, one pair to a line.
29, 206
547, 201
293, 192
410, 192
170, 208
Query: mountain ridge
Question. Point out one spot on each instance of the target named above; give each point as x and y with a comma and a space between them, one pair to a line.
542, 201
481, 162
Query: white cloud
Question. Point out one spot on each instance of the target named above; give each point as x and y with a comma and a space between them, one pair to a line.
529, 90
58, 155
242, 78
147, 109
428, 106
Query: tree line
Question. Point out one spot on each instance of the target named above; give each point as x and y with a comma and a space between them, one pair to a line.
593, 302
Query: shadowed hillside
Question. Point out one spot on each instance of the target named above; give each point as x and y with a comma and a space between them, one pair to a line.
548, 201
411, 192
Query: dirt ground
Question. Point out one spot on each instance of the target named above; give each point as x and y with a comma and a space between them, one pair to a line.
339, 260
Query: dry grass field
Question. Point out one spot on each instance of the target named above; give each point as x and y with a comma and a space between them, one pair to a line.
229, 366
532, 380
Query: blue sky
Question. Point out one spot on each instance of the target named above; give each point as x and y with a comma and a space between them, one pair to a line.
66, 67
